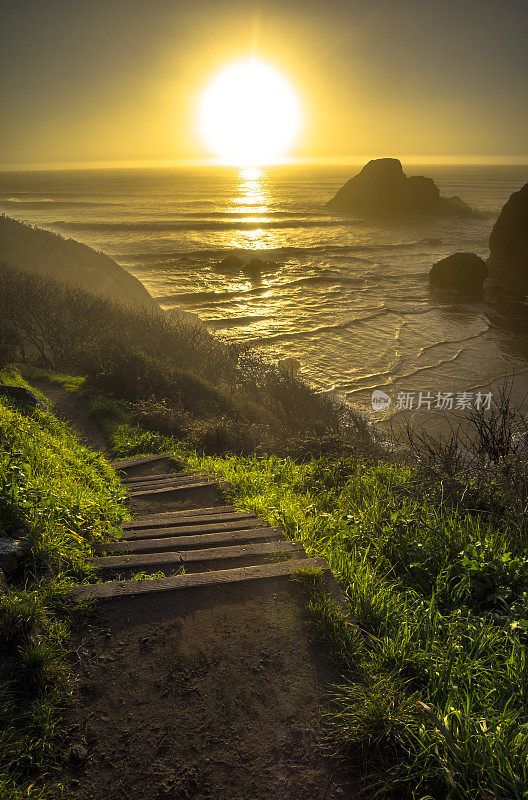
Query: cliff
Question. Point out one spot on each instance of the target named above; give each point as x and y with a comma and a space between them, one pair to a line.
508, 261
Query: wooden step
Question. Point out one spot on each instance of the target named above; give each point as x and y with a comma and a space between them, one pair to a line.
162, 476
181, 558
200, 541
145, 461
175, 480
157, 493
188, 517
113, 590
182, 530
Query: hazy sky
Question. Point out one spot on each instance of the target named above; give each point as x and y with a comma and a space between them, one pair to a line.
97, 80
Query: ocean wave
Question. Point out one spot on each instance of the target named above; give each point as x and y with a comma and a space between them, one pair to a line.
326, 279
469, 338
169, 226
46, 204
235, 322
281, 253
209, 298
380, 312
239, 214
398, 377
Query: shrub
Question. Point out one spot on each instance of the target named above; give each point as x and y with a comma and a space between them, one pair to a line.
134, 355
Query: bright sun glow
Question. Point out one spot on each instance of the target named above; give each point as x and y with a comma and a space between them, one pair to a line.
249, 114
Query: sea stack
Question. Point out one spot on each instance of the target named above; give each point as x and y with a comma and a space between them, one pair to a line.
459, 271
383, 187
508, 261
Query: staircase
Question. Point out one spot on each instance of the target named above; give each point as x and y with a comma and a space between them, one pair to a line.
182, 529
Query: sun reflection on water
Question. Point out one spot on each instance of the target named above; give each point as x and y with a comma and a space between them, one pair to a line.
253, 198
252, 185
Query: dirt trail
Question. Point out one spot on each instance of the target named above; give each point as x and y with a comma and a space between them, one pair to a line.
67, 407
210, 693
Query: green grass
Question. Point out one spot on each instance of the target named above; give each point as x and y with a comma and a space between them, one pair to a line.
434, 674
72, 383
432, 658
434, 671
66, 499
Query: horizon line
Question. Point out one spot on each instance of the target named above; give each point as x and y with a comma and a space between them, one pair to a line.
479, 160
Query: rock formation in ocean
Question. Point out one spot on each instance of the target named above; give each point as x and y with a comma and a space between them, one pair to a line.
459, 271
382, 186
508, 260
51, 256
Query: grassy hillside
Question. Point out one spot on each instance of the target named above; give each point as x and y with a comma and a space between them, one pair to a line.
431, 549
433, 558
63, 499
51, 256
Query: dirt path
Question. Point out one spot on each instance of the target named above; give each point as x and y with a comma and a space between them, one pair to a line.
67, 407
204, 693
209, 695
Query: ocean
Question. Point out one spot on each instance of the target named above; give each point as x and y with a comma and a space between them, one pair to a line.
346, 296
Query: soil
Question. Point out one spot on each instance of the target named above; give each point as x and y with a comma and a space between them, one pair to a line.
202, 694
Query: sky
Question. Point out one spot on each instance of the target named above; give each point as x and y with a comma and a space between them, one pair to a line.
119, 80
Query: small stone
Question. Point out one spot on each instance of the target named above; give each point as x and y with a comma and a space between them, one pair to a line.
78, 753
11, 551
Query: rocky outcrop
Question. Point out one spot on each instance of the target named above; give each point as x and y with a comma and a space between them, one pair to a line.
459, 271
52, 256
508, 261
383, 187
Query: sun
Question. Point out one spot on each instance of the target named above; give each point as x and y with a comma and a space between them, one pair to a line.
249, 114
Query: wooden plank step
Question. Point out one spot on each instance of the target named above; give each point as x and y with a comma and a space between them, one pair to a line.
154, 493
182, 557
175, 480
113, 590
202, 540
160, 477
176, 476
141, 461
187, 517
182, 530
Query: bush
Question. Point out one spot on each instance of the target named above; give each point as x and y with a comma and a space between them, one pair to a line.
9, 346
235, 395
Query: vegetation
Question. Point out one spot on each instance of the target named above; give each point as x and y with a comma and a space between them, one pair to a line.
177, 379
63, 499
432, 554
429, 547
